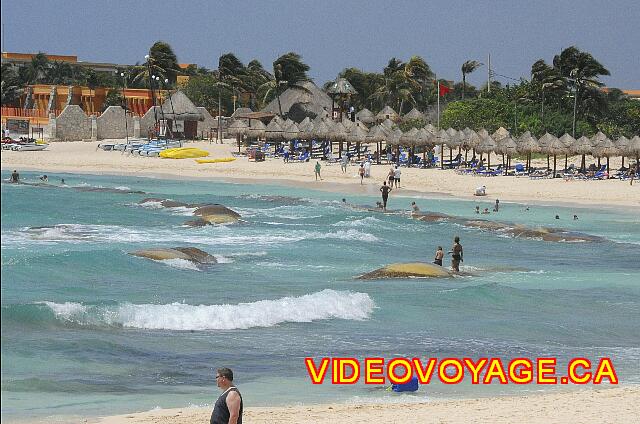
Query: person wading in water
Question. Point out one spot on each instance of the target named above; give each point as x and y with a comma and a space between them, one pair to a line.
385, 190
456, 254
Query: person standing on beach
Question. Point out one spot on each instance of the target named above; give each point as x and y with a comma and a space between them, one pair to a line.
456, 254
344, 162
391, 176
228, 407
361, 173
317, 170
385, 190
396, 176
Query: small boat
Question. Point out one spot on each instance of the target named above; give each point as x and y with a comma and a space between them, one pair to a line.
30, 147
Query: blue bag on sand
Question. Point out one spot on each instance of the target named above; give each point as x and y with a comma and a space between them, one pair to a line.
410, 386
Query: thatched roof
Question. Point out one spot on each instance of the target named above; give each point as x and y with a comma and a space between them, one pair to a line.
387, 113
312, 100
413, 114
178, 107
366, 116
528, 143
241, 111
341, 86
582, 146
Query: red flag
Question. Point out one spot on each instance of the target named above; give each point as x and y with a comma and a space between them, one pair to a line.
443, 89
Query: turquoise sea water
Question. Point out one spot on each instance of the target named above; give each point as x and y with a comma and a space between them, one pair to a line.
89, 330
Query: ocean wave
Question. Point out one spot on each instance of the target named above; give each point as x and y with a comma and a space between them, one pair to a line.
361, 222
323, 305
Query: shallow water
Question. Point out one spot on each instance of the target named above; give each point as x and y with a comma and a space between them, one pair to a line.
88, 329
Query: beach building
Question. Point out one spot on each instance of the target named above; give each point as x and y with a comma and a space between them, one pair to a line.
297, 103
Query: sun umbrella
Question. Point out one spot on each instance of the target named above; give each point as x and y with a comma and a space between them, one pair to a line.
544, 142
387, 113
455, 140
366, 116
634, 147
273, 130
622, 144
568, 141
431, 128
556, 147
606, 148
487, 145
507, 147
388, 123
441, 139
257, 129
291, 131
412, 114
357, 135
238, 128
527, 144
583, 147
500, 134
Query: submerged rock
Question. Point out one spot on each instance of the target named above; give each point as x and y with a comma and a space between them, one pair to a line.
191, 254
405, 270
217, 214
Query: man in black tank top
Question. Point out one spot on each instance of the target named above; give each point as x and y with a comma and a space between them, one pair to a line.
228, 407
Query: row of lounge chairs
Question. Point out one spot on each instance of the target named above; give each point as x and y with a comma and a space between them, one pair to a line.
141, 148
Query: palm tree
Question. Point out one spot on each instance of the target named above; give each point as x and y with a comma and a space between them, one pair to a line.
36, 70
11, 86
255, 77
289, 71
468, 67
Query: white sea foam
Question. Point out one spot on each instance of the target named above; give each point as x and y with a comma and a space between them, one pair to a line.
223, 259
326, 304
362, 222
179, 263
123, 188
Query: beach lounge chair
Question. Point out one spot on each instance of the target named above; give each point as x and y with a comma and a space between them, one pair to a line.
540, 174
519, 170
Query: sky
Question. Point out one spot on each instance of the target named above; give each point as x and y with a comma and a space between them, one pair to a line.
332, 35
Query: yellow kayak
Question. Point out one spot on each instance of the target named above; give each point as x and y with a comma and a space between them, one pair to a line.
183, 153
215, 160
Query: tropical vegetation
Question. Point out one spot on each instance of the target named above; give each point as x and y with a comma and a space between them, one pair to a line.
563, 96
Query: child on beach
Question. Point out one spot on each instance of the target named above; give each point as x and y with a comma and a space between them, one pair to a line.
361, 173
439, 255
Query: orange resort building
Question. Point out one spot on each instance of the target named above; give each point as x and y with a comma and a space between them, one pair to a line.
39, 101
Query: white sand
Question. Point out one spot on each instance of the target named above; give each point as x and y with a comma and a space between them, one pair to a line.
83, 157
617, 405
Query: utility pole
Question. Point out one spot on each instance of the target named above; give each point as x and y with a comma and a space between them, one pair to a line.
489, 73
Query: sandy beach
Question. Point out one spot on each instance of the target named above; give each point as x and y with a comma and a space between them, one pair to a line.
617, 405
84, 157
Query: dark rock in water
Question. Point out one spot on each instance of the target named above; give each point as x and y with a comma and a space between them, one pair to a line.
150, 200
431, 217
191, 254
173, 204
406, 270
197, 223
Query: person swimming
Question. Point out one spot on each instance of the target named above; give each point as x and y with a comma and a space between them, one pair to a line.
477, 209
414, 208
557, 216
486, 211
575, 217
44, 178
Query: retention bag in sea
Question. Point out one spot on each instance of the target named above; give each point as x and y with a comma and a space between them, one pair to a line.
410, 386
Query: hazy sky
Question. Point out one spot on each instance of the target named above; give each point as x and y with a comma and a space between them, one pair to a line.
332, 35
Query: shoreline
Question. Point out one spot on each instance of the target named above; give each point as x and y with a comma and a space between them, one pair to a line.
83, 158
602, 405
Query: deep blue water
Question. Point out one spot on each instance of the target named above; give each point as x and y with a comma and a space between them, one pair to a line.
88, 329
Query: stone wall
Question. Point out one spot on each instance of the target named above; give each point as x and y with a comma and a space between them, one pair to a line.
149, 120
72, 125
111, 124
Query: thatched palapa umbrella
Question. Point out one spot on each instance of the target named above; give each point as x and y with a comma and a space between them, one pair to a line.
544, 142
568, 142
239, 129
555, 147
507, 147
606, 148
273, 132
442, 138
455, 140
377, 134
583, 147
528, 144
622, 144
257, 129
487, 145
595, 141
357, 135
366, 116
387, 113
412, 114
634, 148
